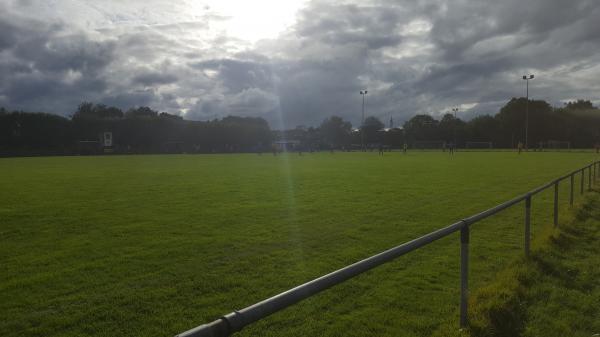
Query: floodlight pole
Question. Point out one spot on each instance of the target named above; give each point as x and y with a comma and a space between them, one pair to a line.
527, 78
455, 110
362, 124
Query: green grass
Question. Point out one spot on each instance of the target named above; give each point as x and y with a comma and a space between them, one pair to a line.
554, 293
565, 298
155, 245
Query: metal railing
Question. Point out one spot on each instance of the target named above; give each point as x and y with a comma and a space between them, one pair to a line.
237, 320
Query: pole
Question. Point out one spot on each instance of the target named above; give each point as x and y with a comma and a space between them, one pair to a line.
571, 194
464, 275
527, 118
527, 224
455, 110
582, 178
363, 108
589, 178
362, 125
556, 204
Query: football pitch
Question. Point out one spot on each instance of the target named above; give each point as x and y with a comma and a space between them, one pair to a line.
156, 245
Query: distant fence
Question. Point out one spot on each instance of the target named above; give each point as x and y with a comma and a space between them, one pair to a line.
237, 320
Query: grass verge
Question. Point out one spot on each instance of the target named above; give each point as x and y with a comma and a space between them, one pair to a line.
554, 293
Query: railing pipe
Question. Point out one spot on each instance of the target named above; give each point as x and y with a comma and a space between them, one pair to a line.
542, 188
480, 216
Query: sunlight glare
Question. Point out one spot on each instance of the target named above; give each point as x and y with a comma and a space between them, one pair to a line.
251, 20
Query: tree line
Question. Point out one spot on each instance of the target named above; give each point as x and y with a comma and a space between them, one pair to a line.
577, 123
144, 130
137, 130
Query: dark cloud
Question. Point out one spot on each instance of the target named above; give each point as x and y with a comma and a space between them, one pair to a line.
421, 56
154, 78
130, 99
236, 75
57, 54
8, 38
47, 67
373, 27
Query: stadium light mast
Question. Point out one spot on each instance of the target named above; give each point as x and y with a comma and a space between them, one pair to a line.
362, 124
527, 78
455, 110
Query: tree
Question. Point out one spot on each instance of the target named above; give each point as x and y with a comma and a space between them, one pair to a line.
371, 128
450, 128
170, 116
512, 119
84, 110
88, 110
107, 112
580, 104
141, 112
483, 129
33, 133
335, 131
145, 131
421, 127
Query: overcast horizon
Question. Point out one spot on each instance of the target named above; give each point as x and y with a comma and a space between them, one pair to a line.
297, 62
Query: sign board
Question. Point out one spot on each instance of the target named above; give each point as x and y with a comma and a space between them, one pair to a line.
107, 139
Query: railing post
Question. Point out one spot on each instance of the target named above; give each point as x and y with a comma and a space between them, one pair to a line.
527, 224
464, 275
589, 178
571, 194
556, 204
582, 178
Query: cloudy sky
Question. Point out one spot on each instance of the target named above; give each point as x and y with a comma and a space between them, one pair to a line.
296, 62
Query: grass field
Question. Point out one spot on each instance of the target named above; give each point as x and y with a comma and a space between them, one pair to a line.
565, 298
155, 245
553, 293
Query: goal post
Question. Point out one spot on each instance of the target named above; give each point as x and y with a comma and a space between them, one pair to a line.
558, 145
